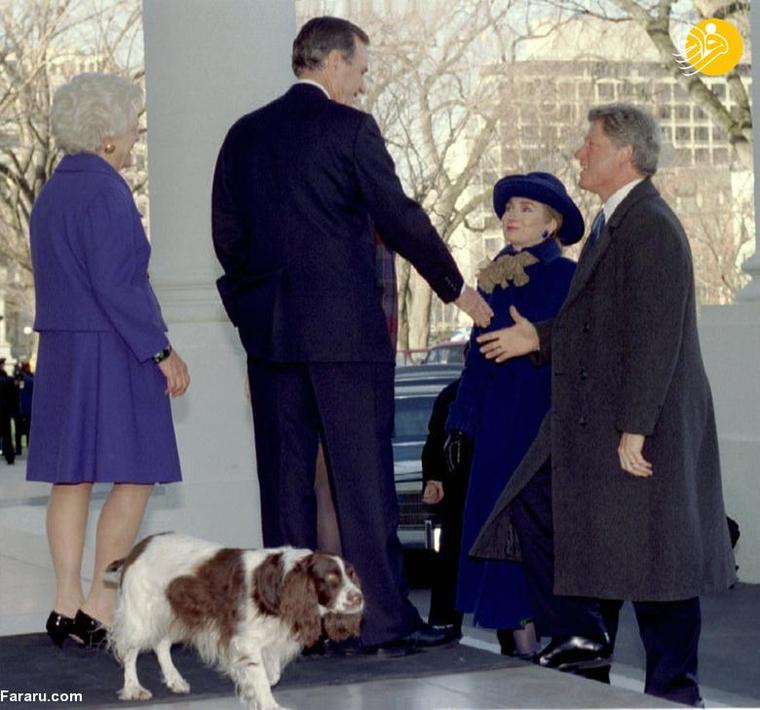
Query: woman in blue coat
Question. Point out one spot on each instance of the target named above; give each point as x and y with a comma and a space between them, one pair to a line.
105, 366
500, 406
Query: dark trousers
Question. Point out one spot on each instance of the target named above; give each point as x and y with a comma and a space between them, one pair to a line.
350, 407
21, 422
669, 630
443, 592
6, 438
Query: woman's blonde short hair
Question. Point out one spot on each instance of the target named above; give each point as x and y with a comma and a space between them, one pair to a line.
551, 213
90, 107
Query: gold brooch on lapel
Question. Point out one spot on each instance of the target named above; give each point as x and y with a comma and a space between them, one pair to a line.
509, 267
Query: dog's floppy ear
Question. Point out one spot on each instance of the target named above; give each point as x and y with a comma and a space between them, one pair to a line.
339, 627
267, 584
299, 605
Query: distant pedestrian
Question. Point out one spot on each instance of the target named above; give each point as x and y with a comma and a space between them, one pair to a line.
8, 409
25, 388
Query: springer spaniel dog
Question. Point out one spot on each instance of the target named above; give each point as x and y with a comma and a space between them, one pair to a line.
250, 612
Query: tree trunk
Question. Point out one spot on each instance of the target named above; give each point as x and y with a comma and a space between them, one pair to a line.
419, 311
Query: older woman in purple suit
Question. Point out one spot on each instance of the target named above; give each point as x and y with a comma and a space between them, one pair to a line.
105, 365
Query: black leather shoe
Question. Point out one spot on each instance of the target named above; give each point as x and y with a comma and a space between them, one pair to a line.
349, 647
89, 631
317, 649
428, 636
389, 649
573, 653
600, 674
59, 627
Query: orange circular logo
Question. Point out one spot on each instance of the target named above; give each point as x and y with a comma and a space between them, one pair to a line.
713, 47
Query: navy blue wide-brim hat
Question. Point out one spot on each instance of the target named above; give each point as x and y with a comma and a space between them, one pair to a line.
542, 187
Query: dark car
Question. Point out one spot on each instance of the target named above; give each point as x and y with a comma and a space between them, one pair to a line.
446, 354
416, 390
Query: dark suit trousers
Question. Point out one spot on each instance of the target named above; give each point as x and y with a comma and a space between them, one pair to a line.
669, 630
350, 407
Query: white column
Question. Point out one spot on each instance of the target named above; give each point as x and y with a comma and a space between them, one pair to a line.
207, 64
731, 344
751, 292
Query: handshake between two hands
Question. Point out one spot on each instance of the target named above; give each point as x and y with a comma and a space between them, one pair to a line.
502, 344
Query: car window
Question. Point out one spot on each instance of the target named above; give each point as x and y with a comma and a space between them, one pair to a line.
412, 417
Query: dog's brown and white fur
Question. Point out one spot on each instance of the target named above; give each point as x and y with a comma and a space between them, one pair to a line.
250, 612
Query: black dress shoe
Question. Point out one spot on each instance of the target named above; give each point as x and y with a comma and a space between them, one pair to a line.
389, 649
573, 653
59, 627
428, 636
89, 631
317, 649
349, 647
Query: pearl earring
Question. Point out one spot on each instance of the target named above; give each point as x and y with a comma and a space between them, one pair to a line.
109, 148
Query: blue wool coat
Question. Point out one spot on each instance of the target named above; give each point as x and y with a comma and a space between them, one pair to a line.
501, 407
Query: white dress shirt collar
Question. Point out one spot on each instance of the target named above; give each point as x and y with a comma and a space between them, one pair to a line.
313, 83
614, 200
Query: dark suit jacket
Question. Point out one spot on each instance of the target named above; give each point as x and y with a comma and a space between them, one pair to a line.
298, 184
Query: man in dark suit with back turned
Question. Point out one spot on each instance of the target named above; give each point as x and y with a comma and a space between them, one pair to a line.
298, 186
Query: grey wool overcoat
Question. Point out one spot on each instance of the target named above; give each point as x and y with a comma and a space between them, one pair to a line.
625, 358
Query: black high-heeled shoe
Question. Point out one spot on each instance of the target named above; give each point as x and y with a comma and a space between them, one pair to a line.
88, 630
59, 627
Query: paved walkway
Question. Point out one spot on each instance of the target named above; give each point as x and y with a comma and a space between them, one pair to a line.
730, 650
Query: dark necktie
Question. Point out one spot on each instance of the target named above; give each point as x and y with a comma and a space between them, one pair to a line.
596, 230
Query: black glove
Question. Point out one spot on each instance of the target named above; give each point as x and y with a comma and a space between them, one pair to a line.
453, 449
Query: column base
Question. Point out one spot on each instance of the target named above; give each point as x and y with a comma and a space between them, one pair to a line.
730, 337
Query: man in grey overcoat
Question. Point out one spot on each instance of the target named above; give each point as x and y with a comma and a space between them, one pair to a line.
620, 497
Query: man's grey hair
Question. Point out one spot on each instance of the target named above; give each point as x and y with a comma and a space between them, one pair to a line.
91, 107
320, 36
625, 124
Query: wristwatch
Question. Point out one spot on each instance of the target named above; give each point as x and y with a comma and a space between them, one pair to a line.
162, 355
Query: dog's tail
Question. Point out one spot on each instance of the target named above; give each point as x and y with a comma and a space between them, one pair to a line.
114, 571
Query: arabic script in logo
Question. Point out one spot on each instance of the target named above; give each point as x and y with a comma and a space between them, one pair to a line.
713, 47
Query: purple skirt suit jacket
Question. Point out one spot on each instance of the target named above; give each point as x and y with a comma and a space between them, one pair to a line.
99, 410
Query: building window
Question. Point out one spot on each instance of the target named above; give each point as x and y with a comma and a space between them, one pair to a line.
683, 134
605, 90
721, 156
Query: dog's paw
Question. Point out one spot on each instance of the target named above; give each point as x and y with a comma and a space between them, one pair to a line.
177, 684
135, 692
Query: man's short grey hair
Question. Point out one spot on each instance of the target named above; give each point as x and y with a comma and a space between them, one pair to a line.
93, 106
625, 124
320, 36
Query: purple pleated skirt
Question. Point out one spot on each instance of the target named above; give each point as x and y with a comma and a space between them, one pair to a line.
99, 415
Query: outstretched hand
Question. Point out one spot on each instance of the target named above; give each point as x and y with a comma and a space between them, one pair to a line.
505, 343
475, 306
